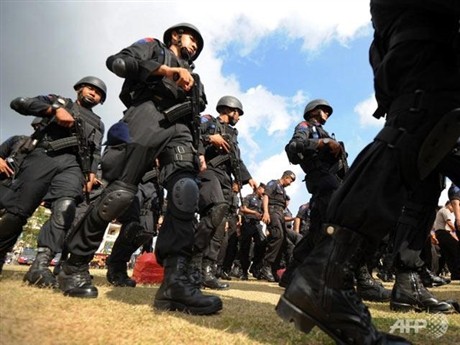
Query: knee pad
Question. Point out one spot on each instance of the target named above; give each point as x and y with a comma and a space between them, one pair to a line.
11, 224
115, 199
217, 214
183, 198
63, 212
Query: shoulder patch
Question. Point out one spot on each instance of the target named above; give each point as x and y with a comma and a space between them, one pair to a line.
303, 124
145, 40
206, 118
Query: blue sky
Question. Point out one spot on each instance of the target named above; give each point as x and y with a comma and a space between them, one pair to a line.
274, 56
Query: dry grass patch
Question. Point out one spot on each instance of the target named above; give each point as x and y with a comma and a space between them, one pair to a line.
124, 316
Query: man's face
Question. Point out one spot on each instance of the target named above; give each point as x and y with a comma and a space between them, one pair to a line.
89, 96
187, 44
260, 191
287, 181
320, 114
234, 116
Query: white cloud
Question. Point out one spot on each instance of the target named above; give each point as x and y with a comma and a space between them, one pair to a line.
365, 109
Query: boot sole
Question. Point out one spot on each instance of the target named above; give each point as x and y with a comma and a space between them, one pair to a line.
404, 307
302, 321
39, 282
176, 306
81, 294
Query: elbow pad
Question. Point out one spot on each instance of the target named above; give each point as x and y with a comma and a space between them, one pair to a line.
122, 67
21, 105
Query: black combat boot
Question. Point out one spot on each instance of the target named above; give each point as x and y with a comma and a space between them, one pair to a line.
266, 273
409, 294
322, 293
39, 274
194, 270
369, 289
74, 278
210, 281
225, 274
429, 279
117, 275
178, 293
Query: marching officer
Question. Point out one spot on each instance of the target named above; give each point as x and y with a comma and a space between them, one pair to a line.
61, 161
163, 100
224, 168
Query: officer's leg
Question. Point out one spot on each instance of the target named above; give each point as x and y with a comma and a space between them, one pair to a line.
50, 241
174, 249
209, 265
10, 230
74, 278
130, 238
213, 208
275, 243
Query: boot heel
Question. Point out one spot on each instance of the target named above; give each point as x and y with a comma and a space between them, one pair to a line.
290, 313
401, 307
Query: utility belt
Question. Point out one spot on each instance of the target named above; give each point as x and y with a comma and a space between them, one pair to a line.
276, 208
218, 160
59, 144
150, 175
177, 154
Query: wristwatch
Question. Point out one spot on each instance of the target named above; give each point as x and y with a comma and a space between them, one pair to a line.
59, 102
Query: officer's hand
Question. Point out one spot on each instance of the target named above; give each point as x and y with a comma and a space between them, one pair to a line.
218, 141
5, 168
253, 184
64, 118
203, 165
258, 215
183, 78
266, 218
334, 147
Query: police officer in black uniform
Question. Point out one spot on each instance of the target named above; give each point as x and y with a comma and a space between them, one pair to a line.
251, 232
224, 167
61, 161
324, 161
274, 202
302, 219
163, 100
414, 57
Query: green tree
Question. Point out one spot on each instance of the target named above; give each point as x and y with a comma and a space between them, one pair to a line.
32, 228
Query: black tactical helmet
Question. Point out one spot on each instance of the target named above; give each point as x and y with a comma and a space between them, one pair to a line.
185, 27
93, 81
231, 102
315, 104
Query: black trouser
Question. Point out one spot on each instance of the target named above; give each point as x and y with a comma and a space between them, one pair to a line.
276, 236
229, 249
43, 176
251, 231
450, 250
150, 135
318, 205
215, 194
384, 174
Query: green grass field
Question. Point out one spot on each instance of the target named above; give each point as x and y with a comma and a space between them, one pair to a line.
30, 316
